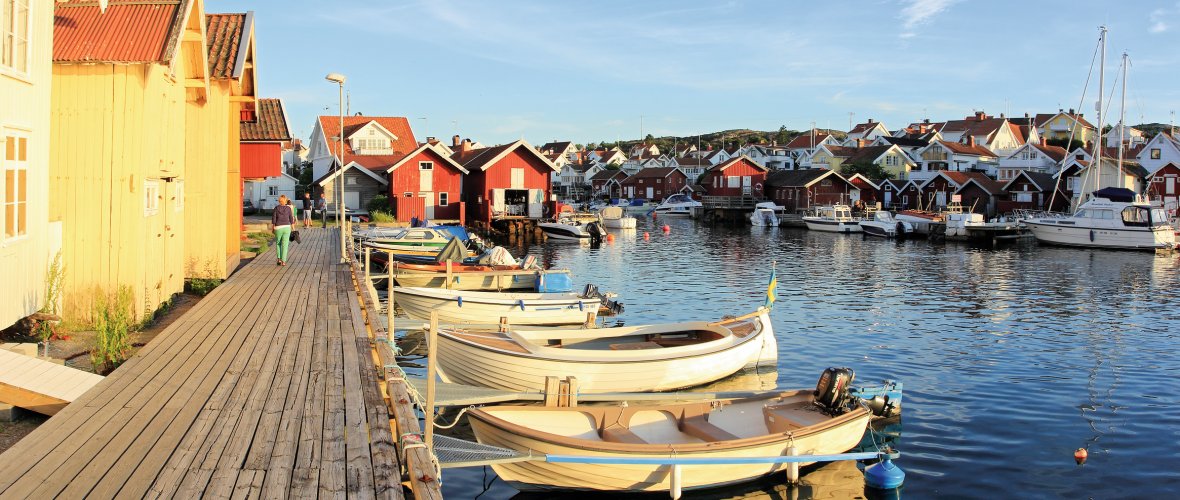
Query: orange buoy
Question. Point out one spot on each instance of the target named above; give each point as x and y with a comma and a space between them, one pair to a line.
1080, 455
667, 229
645, 235
610, 238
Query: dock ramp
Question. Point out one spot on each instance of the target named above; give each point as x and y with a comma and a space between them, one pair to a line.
41, 386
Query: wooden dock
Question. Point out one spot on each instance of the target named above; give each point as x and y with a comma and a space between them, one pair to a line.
40, 385
267, 387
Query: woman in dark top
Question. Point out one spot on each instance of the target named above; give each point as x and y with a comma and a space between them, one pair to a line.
283, 218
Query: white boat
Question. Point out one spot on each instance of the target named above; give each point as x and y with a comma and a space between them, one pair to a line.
640, 358
885, 226
476, 307
571, 228
615, 218
721, 432
1106, 223
923, 221
678, 205
834, 219
424, 241
766, 214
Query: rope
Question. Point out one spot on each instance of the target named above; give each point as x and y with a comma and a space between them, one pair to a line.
457, 418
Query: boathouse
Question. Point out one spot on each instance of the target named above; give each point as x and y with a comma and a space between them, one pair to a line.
28, 241
937, 191
867, 190
212, 148
1164, 184
799, 190
121, 118
509, 181
736, 177
608, 183
426, 183
654, 183
1032, 191
263, 131
980, 195
909, 195
372, 144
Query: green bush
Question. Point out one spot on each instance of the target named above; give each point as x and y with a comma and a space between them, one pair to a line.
379, 203
113, 318
380, 216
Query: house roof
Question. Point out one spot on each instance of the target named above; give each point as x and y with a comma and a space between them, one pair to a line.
691, 161
796, 178
860, 177
1043, 181
129, 31
397, 125
424, 147
988, 185
583, 167
963, 149
862, 128
734, 161
226, 36
1042, 118
270, 123
906, 142
868, 153
483, 158
957, 178
607, 175
556, 147
805, 140
1057, 153
370, 166
653, 173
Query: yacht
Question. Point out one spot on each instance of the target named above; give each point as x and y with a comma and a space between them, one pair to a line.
1113, 218
833, 219
678, 205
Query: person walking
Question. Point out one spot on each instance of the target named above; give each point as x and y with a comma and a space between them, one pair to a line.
307, 208
282, 219
322, 205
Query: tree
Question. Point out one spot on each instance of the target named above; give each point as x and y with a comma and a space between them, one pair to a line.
865, 168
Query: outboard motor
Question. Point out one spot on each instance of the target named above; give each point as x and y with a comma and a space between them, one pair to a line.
596, 232
831, 392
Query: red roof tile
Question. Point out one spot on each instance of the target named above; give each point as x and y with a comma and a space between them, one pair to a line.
128, 31
376, 163
224, 34
652, 173
397, 125
804, 141
1057, 153
964, 149
270, 123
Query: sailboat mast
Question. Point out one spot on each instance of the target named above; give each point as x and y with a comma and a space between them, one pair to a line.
1097, 157
1122, 116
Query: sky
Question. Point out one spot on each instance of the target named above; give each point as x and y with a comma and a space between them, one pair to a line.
601, 71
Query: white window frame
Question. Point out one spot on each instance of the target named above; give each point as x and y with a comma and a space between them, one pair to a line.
151, 197
272, 190
425, 165
8, 31
20, 207
733, 181
444, 198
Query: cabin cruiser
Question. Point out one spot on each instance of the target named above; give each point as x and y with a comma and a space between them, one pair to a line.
766, 214
1113, 218
885, 226
678, 205
833, 219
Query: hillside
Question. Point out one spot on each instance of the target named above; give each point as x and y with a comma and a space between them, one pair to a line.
721, 139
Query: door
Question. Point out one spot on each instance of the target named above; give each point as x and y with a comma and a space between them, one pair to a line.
426, 180
651, 194
352, 200
1170, 185
888, 198
497, 201
536, 203
427, 203
940, 199
747, 185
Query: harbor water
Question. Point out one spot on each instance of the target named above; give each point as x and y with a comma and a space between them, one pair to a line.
1011, 358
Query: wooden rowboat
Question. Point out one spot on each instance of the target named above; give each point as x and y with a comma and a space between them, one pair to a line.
645, 358
765, 426
476, 277
520, 308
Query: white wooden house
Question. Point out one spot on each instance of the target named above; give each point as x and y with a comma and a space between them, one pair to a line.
1161, 150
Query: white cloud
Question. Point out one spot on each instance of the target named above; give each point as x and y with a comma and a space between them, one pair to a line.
1157, 20
918, 12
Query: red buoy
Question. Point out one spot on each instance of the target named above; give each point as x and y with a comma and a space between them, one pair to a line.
610, 238
1080, 455
667, 229
645, 235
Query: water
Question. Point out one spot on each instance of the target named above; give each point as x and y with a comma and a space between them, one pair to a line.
1011, 358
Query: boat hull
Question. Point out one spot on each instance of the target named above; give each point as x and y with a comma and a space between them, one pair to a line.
879, 229
832, 226
506, 366
1052, 232
839, 437
523, 280
479, 308
620, 223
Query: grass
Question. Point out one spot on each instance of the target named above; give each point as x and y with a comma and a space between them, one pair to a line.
257, 241
380, 217
113, 319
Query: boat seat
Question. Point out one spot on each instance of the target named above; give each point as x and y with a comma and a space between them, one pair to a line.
778, 418
700, 428
618, 434
633, 346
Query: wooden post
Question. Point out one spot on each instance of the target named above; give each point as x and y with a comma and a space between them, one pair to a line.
503, 324
450, 273
431, 373
589, 321
390, 269
368, 262
552, 391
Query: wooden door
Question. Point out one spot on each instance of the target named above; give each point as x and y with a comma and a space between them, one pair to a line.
428, 204
497, 201
536, 203
426, 180
352, 200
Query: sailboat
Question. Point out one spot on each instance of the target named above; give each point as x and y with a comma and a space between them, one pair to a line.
1114, 217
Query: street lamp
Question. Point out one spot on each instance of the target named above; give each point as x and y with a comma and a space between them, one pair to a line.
339, 80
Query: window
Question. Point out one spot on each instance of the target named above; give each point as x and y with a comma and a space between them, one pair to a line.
425, 165
1155, 153
659, 181
16, 183
350, 181
272, 190
151, 198
408, 194
733, 181
443, 199
1024, 197
15, 24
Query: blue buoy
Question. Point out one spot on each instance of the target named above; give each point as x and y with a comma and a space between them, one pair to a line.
884, 475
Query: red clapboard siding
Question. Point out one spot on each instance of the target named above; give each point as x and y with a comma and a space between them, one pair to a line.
407, 178
739, 167
499, 176
261, 159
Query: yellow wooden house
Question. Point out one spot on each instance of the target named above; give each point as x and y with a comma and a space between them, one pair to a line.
121, 107
27, 240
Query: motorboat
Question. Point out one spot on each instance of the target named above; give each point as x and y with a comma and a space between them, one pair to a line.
478, 307
1114, 218
833, 219
642, 358
615, 218
923, 221
766, 214
572, 226
678, 205
714, 434
481, 277
886, 226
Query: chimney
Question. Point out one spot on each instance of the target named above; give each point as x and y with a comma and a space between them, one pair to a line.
1026, 115
1001, 115
860, 143
465, 146
970, 141
431, 140
455, 141
1071, 111
1044, 141
870, 121
979, 116
925, 120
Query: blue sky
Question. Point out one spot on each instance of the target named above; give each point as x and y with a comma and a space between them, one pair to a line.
588, 71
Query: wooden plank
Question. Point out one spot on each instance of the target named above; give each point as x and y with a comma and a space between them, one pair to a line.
332, 460
356, 432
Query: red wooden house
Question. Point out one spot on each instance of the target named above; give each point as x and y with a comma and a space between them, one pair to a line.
654, 183
608, 183
426, 183
980, 195
1032, 191
938, 190
1164, 185
909, 195
739, 176
869, 190
506, 181
263, 130
802, 189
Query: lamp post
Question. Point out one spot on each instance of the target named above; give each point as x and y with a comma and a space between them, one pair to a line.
339, 80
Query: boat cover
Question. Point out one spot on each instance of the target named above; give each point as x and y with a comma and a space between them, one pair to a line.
456, 231
1117, 194
453, 251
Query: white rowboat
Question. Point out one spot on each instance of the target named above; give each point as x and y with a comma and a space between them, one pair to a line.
467, 307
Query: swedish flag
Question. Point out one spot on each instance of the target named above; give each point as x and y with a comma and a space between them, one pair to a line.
770, 298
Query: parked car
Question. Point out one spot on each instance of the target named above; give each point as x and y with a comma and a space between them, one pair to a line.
248, 208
